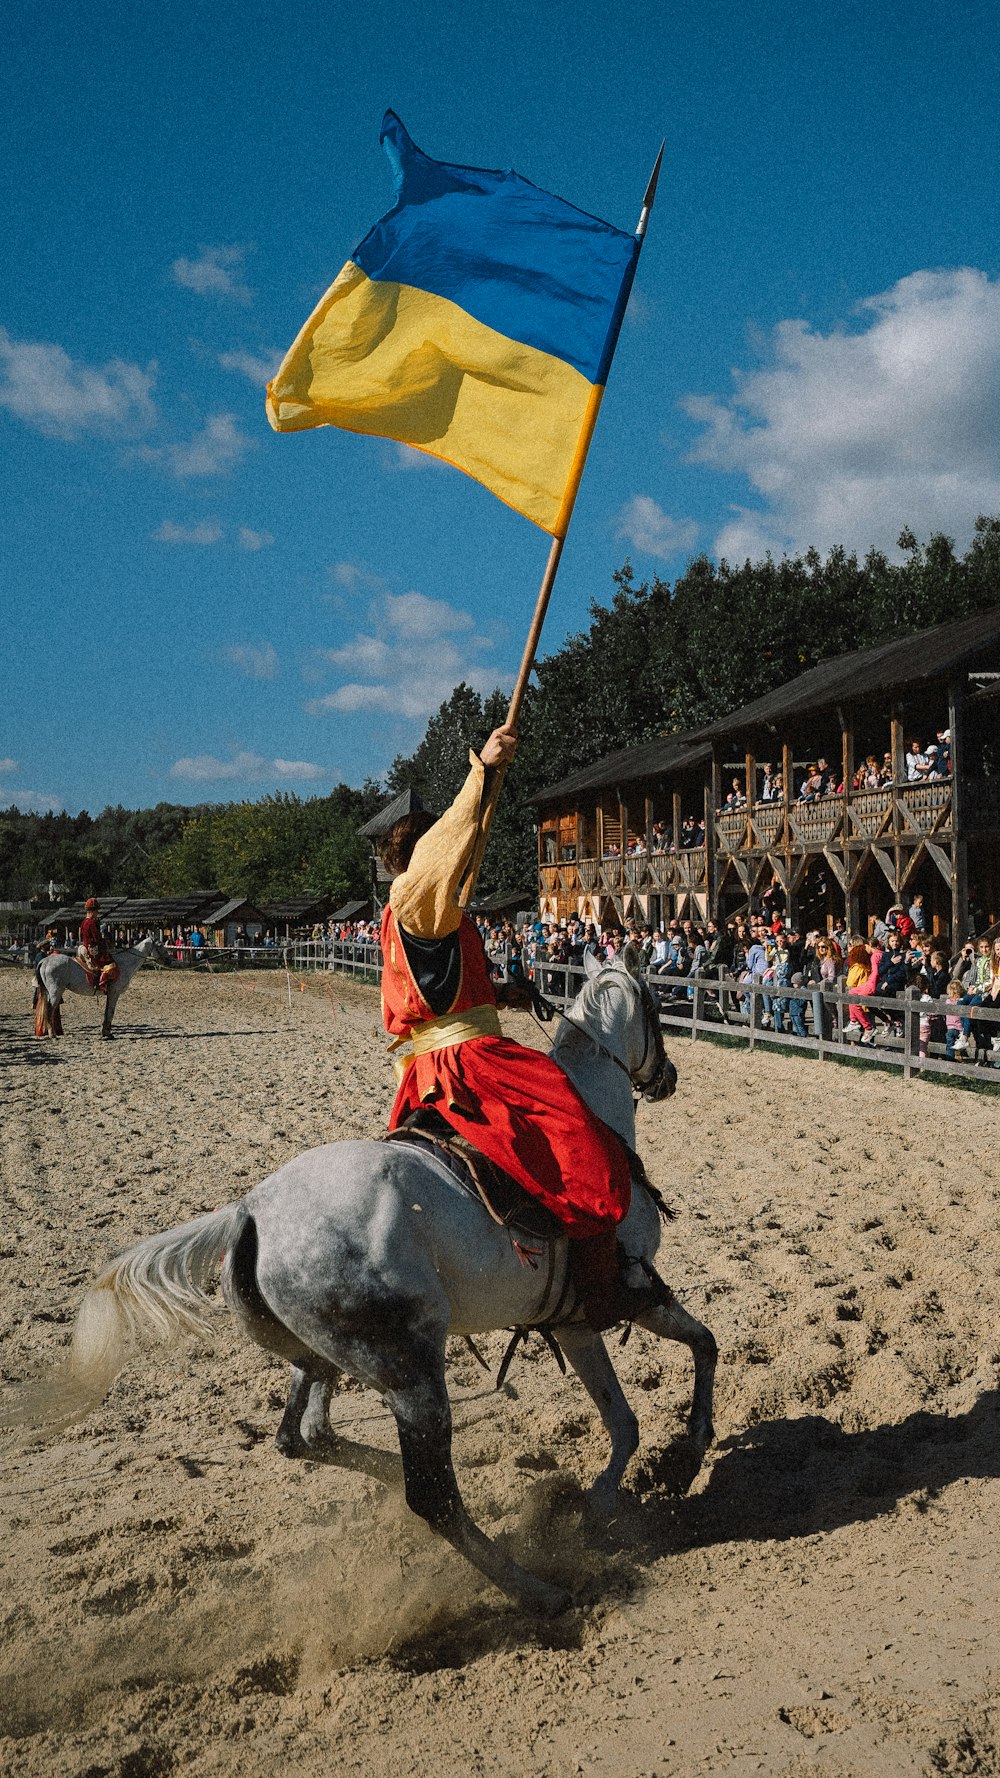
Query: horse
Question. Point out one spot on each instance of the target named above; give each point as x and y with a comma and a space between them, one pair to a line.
361, 1257
59, 974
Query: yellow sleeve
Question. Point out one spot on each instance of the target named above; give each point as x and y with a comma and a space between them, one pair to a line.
423, 896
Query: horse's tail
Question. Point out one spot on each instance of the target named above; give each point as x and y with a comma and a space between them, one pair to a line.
156, 1291
48, 1021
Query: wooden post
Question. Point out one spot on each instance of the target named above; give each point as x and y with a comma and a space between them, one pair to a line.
714, 793
697, 1008
818, 1027
711, 899
784, 839
911, 1026
898, 779
751, 987
848, 763
960, 911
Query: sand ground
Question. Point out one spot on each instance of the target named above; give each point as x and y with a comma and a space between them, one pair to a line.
178, 1598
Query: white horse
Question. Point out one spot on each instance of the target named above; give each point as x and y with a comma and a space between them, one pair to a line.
361, 1257
59, 974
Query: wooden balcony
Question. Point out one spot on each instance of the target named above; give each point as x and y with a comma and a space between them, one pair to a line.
926, 808
731, 830
815, 824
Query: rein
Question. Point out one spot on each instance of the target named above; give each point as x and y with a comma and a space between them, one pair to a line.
544, 1010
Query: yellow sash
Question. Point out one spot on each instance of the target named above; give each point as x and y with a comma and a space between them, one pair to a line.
444, 1033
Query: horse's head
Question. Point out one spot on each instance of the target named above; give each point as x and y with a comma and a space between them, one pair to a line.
639, 1036
151, 947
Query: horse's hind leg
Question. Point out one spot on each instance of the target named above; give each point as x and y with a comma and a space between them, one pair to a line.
588, 1355
305, 1429
289, 1436
423, 1419
672, 1322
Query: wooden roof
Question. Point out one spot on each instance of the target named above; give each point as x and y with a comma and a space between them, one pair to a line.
651, 759
915, 660
407, 803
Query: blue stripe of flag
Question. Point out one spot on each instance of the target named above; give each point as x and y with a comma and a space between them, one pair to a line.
514, 257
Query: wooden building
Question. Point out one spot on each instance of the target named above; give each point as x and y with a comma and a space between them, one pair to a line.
850, 852
605, 836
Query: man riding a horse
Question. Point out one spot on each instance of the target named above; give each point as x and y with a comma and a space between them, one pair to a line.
94, 952
513, 1104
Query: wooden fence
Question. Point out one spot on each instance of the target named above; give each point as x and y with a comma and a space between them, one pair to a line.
710, 1005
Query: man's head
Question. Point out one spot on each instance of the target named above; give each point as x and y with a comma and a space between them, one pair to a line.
396, 849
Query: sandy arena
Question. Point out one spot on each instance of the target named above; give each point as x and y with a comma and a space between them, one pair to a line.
177, 1597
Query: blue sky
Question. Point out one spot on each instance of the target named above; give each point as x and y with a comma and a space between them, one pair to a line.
197, 609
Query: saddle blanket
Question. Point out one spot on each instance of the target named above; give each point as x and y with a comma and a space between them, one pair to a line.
506, 1200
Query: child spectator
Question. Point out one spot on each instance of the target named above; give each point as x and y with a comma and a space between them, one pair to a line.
953, 1021
862, 975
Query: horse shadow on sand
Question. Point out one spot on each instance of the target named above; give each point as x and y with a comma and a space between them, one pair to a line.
788, 1478
19, 1047
779, 1480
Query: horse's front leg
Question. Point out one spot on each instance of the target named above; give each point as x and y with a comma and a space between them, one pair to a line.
588, 1355
672, 1322
109, 1013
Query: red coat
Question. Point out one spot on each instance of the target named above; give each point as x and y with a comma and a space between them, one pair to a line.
513, 1103
91, 934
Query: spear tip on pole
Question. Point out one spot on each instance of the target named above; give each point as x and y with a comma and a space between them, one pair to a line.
647, 202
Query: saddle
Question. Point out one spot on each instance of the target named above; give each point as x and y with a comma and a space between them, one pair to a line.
100, 972
504, 1198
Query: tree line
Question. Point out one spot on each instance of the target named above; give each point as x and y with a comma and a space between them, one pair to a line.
656, 659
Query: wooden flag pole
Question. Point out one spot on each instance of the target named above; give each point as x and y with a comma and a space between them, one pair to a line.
555, 553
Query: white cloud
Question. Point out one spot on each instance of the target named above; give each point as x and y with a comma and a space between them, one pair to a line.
213, 451
217, 271
364, 654
255, 662
414, 615
644, 524
847, 436
8, 765
206, 531
352, 575
32, 802
412, 666
246, 768
259, 368
254, 540
42, 385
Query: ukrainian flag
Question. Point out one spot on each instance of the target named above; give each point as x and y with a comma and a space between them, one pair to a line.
477, 322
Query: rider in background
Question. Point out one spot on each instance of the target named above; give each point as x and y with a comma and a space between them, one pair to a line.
512, 1103
94, 952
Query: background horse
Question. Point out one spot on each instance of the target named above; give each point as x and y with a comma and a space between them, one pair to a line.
60, 974
361, 1257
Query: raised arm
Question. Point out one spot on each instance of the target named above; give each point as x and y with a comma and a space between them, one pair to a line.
424, 896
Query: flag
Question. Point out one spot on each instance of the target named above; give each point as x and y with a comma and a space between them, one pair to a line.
476, 321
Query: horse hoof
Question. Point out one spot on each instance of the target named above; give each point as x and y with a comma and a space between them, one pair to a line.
290, 1444
546, 1601
602, 1499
